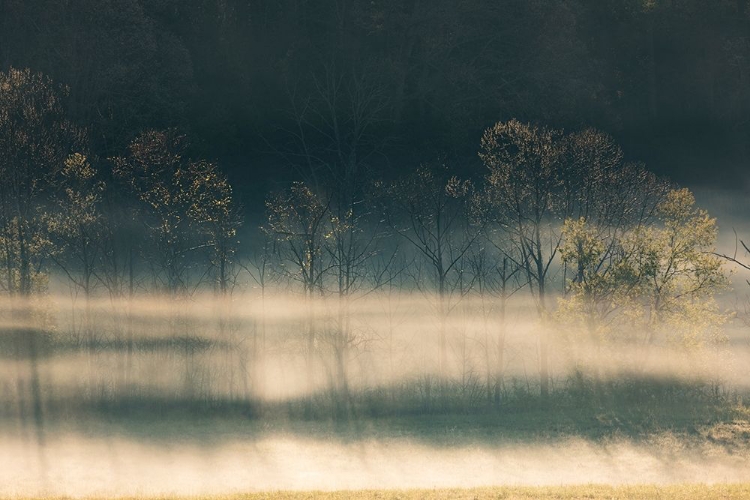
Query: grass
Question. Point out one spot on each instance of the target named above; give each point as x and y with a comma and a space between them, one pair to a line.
693, 492
672, 432
720, 423
588, 492
672, 427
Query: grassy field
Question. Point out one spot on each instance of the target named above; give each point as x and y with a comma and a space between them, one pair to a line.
653, 448
588, 492
719, 422
693, 492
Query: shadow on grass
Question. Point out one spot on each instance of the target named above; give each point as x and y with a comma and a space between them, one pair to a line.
14, 344
635, 411
429, 410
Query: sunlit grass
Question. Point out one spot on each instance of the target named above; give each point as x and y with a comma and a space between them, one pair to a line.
589, 492
512, 493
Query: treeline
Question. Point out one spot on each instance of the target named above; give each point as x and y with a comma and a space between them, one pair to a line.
403, 77
608, 252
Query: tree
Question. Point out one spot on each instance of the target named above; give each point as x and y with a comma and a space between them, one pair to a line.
539, 179
663, 277
349, 245
186, 206
495, 280
158, 173
35, 139
524, 183
603, 289
432, 211
682, 273
297, 223
214, 211
75, 225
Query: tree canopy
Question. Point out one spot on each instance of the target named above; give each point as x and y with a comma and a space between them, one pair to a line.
378, 82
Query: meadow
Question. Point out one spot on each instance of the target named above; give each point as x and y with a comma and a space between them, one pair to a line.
177, 399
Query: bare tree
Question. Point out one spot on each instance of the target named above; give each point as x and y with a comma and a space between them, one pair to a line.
215, 212
496, 279
35, 139
431, 211
76, 225
157, 172
297, 222
612, 196
333, 115
525, 185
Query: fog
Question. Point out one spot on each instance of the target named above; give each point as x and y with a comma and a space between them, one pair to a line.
79, 465
246, 349
266, 389
200, 395
550, 311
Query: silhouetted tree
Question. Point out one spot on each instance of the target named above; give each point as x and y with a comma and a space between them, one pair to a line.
432, 211
525, 184
214, 212
35, 139
75, 226
297, 222
158, 174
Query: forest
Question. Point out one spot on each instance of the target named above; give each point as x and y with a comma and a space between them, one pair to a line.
614, 262
402, 80
445, 223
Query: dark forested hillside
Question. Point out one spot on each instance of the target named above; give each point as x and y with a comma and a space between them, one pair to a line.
254, 82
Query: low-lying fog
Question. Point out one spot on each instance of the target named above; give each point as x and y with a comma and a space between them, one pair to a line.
80, 465
162, 360
284, 348
74, 373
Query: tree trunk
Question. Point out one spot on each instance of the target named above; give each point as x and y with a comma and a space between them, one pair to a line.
501, 334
